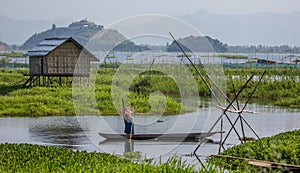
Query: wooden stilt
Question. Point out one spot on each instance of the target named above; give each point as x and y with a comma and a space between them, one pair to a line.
59, 80
43, 80
39, 79
221, 134
48, 80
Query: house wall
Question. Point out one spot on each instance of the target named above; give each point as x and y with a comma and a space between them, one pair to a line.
35, 65
63, 60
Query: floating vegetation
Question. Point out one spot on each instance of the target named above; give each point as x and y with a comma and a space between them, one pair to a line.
129, 58
13, 54
183, 55
279, 87
282, 148
162, 55
110, 56
230, 56
36, 158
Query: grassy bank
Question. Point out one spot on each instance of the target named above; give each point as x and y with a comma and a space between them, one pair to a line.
35, 158
58, 100
279, 87
282, 148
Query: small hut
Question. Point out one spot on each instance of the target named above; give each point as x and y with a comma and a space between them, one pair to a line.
55, 59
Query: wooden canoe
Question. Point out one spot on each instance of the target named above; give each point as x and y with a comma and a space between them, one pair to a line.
167, 136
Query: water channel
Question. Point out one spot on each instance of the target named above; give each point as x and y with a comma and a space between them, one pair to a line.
81, 132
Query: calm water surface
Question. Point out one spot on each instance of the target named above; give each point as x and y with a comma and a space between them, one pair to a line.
81, 132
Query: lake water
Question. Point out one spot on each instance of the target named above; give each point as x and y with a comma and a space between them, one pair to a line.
147, 57
81, 132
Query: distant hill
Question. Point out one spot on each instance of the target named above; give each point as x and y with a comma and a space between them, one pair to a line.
128, 45
208, 44
198, 44
112, 40
85, 32
82, 33
4, 46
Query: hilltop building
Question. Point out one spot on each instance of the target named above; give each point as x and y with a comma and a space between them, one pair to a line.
84, 23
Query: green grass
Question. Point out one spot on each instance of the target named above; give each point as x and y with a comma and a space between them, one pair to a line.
279, 87
37, 101
281, 148
16, 158
58, 100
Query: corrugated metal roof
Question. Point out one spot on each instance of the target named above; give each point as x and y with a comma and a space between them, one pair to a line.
49, 44
43, 48
46, 46
40, 53
54, 42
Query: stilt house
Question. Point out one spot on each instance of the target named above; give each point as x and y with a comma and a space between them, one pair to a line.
58, 58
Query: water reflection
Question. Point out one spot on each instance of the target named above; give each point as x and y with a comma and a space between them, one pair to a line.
128, 146
65, 131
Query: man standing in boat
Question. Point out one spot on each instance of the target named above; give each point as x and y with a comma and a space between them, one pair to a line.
128, 120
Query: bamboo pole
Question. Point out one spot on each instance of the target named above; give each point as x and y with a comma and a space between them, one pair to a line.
261, 163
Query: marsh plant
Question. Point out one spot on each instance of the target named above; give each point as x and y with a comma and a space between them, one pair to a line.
278, 87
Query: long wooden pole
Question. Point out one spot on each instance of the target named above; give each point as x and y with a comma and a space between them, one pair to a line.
130, 135
206, 83
201, 76
210, 89
215, 97
123, 111
240, 114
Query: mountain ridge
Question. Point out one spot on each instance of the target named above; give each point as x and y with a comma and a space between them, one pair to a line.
87, 34
82, 33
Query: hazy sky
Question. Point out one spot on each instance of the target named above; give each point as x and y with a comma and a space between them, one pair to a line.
108, 11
